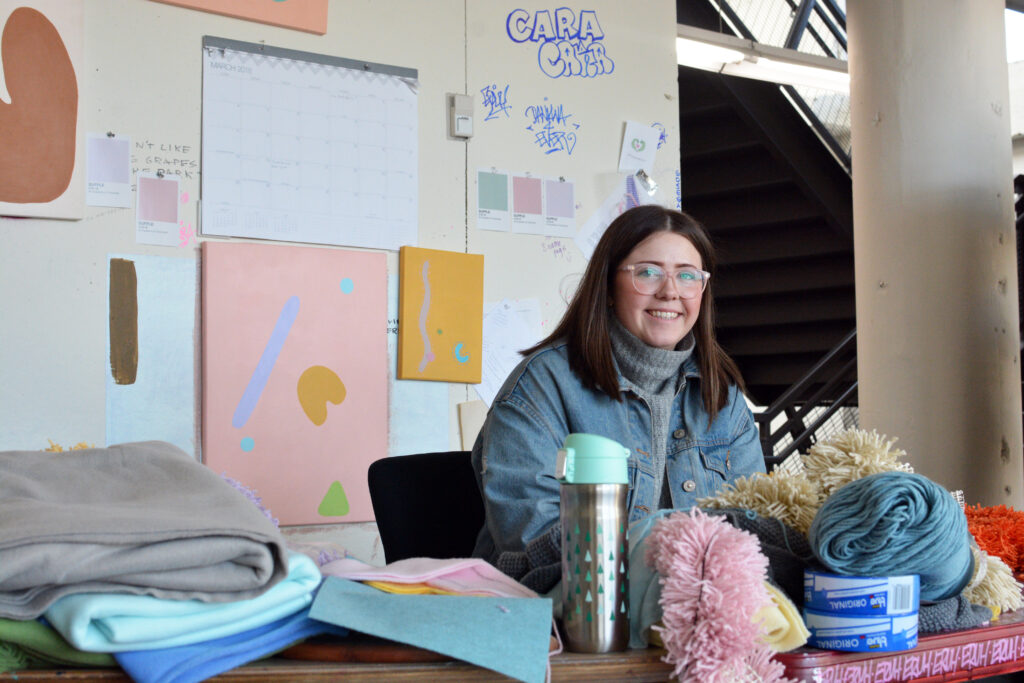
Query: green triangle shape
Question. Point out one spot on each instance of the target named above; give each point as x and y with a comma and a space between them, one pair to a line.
600, 569
622, 607
611, 556
600, 551
588, 558
600, 608
612, 616
577, 528
577, 548
590, 617
569, 618
568, 537
589, 597
577, 569
622, 567
578, 608
598, 529
577, 589
588, 576
335, 502
587, 539
623, 589
600, 588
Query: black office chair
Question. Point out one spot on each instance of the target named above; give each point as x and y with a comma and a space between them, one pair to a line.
426, 505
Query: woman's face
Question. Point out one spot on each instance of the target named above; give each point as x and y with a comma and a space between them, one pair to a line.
661, 319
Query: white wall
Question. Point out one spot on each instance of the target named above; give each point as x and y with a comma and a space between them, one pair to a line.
141, 77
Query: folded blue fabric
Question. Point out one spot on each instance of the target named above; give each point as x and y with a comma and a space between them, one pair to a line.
119, 622
507, 635
192, 663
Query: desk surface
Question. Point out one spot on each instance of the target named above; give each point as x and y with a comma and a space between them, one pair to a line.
958, 656
634, 665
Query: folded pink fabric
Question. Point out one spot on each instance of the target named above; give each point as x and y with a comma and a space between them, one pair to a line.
465, 576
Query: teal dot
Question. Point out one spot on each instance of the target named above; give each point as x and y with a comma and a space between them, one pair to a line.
439, 332
347, 285
248, 444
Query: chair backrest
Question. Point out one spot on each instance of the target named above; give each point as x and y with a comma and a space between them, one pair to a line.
426, 505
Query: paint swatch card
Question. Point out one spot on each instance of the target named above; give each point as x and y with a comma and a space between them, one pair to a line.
294, 375
524, 203
440, 315
109, 171
527, 204
639, 145
493, 200
560, 207
156, 211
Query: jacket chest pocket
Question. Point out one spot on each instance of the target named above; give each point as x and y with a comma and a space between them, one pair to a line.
715, 458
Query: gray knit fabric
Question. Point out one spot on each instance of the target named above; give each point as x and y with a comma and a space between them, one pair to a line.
140, 518
656, 376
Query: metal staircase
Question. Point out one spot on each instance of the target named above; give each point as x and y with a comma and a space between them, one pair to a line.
770, 179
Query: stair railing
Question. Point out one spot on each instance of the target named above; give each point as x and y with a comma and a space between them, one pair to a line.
810, 403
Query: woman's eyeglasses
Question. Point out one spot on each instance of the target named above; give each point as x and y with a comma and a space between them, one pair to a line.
649, 279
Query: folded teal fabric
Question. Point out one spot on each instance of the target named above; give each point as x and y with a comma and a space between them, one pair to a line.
507, 635
112, 622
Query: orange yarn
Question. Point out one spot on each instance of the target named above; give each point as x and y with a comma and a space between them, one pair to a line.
999, 531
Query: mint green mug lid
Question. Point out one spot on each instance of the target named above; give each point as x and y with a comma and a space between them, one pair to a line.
592, 459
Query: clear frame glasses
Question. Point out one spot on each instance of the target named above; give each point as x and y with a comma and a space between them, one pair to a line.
649, 278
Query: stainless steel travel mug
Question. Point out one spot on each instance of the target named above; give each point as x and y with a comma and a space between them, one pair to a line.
595, 567
594, 475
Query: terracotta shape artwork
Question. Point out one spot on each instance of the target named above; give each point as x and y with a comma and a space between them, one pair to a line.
39, 49
295, 375
440, 314
305, 15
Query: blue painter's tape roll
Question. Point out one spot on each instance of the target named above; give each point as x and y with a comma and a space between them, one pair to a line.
864, 595
861, 633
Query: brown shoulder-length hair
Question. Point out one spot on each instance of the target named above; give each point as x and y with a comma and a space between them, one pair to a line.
585, 325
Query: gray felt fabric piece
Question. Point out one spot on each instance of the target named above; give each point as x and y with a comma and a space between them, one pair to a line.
141, 518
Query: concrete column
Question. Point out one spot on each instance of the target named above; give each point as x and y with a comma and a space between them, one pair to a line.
937, 331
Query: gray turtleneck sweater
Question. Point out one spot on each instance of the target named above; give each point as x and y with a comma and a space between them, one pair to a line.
656, 375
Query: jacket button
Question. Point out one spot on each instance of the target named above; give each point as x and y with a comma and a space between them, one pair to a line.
689, 485
679, 433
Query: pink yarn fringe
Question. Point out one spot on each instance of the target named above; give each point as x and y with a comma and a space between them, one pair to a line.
712, 582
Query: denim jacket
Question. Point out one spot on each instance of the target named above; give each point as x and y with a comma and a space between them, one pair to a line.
543, 401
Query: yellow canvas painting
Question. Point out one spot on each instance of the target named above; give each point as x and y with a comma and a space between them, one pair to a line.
440, 315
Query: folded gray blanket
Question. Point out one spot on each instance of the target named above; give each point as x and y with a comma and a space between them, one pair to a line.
142, 518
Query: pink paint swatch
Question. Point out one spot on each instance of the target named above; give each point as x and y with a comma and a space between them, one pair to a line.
158, 200
526, 195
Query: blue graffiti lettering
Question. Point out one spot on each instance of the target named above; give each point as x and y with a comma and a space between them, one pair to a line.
551, 128
496, 101
570, 45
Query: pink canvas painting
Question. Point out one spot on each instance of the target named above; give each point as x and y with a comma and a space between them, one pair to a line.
295, 375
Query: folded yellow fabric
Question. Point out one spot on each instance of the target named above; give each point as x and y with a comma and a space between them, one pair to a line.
408, 588
782, 626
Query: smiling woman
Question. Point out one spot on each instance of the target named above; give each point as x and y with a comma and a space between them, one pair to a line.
635, 360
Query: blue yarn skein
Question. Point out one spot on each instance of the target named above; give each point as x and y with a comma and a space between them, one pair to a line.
894, 523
